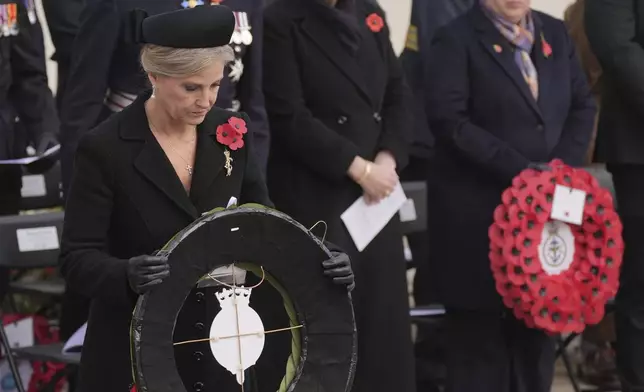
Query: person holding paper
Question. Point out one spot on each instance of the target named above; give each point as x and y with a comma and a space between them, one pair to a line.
341, 127
504, 92
146, 174
25, 93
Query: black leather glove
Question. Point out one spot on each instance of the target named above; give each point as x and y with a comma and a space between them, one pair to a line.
145, 272
339, 268
46, 141
539, 166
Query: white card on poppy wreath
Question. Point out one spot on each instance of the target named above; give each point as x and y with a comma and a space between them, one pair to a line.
237, 332
568, 205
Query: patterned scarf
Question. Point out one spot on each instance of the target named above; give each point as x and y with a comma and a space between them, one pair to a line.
522, 37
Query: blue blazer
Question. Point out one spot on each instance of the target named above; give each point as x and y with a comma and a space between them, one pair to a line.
488, 128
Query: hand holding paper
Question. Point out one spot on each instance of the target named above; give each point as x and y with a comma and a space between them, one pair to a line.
364, 221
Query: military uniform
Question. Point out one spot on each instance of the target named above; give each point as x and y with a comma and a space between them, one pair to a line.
241, 89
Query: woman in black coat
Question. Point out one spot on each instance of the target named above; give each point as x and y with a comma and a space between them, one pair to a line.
340, 128
145, 174
497, 103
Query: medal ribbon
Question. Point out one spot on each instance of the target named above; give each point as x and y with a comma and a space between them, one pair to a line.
13, 17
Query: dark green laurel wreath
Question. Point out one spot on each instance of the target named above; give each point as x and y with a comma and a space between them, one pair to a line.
323, 349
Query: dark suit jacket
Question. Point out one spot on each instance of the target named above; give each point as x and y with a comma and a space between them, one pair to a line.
426, 18
326, 105
126, 200
489, 128
615, 30
63, 19
248, 90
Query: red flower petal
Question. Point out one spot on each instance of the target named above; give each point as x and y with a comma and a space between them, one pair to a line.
225, 134
375, 22
238, 124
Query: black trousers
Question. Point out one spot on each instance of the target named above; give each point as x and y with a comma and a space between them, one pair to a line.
494, 352
629, 318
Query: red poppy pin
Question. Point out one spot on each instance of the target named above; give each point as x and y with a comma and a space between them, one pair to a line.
498, 48
231, 135
375, 22
547, 49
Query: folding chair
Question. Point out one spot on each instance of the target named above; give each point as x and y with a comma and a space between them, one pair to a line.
413, 215
31, 242
41, 191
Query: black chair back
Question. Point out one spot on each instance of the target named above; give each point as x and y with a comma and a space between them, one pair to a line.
417, 192
30, 241
41, 191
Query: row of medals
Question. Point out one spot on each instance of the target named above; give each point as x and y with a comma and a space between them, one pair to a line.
242, 34
9, 22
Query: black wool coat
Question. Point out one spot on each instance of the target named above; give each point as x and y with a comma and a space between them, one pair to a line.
327, 104
126, 200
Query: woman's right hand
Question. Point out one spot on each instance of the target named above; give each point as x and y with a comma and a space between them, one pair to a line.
144, 272
377, 180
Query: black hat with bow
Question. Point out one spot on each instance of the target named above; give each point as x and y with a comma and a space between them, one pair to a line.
205, 26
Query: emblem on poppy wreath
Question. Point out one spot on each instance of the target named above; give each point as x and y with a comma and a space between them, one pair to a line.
556, 275
231, 135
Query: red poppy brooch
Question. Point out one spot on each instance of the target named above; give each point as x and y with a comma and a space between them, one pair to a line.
553, 274
547, 49
231, 135
375, 22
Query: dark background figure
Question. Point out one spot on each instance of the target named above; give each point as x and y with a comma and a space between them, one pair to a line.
24, 94
489, 126
426, 18
63, 18
242, 90
615, 30
336, 98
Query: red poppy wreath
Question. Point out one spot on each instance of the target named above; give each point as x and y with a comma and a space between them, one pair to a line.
554, 274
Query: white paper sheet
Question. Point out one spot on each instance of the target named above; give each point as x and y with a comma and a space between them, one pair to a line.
75, 342
32, 159
568, 205
20, 334
33, 186
37, 239
408, 211
364, 222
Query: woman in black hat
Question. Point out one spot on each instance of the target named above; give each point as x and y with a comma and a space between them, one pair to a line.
149, 171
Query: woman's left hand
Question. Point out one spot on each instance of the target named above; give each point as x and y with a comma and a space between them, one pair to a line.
386, 158
339, 268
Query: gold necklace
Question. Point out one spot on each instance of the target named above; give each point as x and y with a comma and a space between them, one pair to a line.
189, 168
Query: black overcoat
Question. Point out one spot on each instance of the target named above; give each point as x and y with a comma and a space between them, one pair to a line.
326, 105
126, 200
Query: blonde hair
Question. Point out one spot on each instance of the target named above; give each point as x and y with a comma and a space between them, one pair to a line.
175, 62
